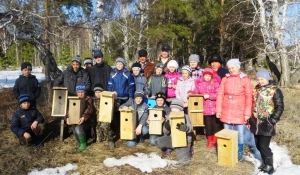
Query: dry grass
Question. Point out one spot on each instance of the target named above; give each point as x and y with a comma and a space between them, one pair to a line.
16, 159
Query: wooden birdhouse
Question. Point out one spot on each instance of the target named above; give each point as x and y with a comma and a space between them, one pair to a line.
59, 102
151, 102
76, 109
128, 124
155, 117
178, 137
195, 109
227, 147
106, 106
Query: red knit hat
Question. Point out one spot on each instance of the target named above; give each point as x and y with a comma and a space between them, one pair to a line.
208, 71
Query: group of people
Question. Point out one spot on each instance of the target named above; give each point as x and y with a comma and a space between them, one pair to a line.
230, 102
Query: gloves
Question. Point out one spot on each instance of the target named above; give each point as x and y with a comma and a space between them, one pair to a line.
167, 125
181, 127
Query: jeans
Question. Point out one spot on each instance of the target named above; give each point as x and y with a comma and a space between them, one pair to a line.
250, 141
239, 128
132, 143
152, 139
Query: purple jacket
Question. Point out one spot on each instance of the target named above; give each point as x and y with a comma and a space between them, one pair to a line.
172, 79
210, 88
183, 86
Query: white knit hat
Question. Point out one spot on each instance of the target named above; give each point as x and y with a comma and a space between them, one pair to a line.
172, 63
234, 62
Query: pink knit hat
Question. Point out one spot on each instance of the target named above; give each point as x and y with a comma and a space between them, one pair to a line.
208, 71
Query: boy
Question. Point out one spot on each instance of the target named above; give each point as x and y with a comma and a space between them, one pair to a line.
26, 122
103, 129
88, 63
142, 113
157, 81
85, 122
27, 84
139, 80
165, 142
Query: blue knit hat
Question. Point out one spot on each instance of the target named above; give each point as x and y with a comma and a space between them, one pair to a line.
23, 98
263, 74
80, 87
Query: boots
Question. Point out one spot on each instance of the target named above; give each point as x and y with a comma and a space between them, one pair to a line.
214, 142
209, 142
262, 165
82, 145
268, 168
240, 152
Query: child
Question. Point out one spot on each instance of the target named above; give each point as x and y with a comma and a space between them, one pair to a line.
88, 63
172, 77
267, 110
85, 123
103, 129
165, 142
157, 82
208, 85
27, 84
184, 84
194, 64
142, 114
121, 81
26, 122
139, 80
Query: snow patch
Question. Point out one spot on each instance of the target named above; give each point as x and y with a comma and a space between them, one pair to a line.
141, 161
56, 171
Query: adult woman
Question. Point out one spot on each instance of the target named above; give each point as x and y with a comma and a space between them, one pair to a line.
216, 64
234, 101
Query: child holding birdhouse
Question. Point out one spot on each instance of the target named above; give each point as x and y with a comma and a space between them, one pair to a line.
208, 85
103, 129
165, 142
85, 124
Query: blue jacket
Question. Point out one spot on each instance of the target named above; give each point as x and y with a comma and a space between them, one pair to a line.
23, 119
122, 82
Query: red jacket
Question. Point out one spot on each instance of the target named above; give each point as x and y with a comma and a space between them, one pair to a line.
234, 100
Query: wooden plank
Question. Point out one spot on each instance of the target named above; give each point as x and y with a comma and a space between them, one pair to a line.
155, 117
59, 102
178, 137
106, 106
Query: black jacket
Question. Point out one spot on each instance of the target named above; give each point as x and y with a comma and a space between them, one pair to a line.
27, 85
70, 79
22, 120
222, 72
100, 74
265, 125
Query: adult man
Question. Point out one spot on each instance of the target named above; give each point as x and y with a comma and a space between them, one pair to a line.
164, 56
146, 65
72, 76
100, 71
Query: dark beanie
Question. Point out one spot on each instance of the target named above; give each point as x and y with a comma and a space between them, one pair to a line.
136, 65
26, 65
98, 87
139, 94
142, 53
98, 53
160, 95
215, 58
23, 98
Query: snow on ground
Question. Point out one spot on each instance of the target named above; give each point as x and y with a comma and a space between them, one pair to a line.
141, 161
282, 162
56, 171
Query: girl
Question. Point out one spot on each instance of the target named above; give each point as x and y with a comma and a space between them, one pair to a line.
208, 85
172, 77
194, 64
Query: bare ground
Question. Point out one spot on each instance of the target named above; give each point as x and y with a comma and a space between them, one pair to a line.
16, 159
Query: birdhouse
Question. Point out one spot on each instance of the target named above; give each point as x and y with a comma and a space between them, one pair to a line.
155, 117
76, 109
195, 109
178, 137
106, 107
227, 147
59, 102
128, 124
151, 102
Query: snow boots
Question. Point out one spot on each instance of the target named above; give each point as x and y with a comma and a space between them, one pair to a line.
211, 142
82, 141
240, 152
268, 168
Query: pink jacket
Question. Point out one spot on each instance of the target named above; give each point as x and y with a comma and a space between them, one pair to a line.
183, 86
172, 79
234, 100
210, 88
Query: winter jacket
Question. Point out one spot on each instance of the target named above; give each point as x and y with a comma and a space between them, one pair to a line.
172, 79
210, 88
234, 100
196, 73
156, 84
268, 107
148, 69
122, 82
141, 109
141, 84
22, 120
70, 79
89, 111
100, 74
27, 85
183, 86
